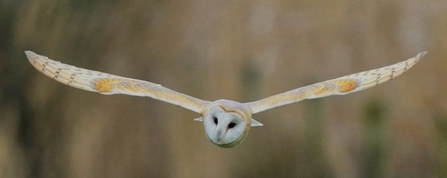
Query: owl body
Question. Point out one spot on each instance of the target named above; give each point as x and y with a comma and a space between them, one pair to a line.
226, 122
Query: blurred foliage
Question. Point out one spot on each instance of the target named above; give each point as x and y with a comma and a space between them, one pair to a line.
373, 138
241, 50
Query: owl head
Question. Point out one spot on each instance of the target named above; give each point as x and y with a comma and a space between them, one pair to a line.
227, 122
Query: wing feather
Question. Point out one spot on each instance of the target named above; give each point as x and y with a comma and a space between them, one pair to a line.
339, 86
105, 83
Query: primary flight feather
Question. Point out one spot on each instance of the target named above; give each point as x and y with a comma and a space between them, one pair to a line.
226, 122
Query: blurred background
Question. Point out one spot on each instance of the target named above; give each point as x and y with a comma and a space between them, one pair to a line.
240, 50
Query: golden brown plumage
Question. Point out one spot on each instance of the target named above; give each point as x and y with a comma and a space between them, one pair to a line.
105, 83
339, 86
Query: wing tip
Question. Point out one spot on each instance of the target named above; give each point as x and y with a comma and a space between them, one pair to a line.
30, 54
422, 54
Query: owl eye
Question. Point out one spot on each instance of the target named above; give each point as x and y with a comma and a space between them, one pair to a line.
215, 120
231, 125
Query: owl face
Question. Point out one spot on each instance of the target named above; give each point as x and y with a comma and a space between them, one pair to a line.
225, 128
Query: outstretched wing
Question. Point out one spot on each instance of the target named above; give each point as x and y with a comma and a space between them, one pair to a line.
111, 84
339, 86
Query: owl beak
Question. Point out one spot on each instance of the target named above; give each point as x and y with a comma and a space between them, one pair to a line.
219, 134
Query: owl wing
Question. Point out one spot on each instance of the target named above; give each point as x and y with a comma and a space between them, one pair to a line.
339, 86
104, 83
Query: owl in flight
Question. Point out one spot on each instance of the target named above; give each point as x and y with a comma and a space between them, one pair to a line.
226, 122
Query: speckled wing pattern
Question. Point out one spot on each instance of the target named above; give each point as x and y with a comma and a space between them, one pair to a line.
105, 83
339, 86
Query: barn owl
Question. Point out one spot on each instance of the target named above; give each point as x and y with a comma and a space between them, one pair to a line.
226, 122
